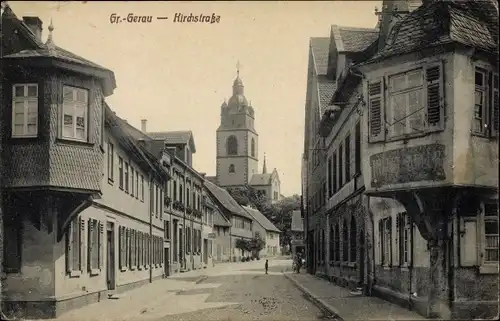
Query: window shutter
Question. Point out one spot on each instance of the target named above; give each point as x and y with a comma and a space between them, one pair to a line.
376, 110
468, 242
494, 104
69, 247
380, 244
101, 245
82, 244
120, 246
435, 96
399, 240
127, 247
391, 261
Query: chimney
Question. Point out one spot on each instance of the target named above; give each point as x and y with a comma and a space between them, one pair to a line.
143, 125
35, 25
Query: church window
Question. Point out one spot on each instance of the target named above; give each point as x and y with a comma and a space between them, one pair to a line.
231, 168
252, 148
232, 145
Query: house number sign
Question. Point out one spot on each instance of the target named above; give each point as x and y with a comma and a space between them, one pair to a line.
411, 164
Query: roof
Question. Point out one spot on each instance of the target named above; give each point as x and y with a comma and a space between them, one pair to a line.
471, 23
212, 179
261, 219
297, 222
349, 39
326, 89
261, 179
320, 47
175, 137
226, 200
220, 220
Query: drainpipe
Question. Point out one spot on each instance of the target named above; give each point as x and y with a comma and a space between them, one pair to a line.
372, 263
150, 229
184, 235
410, 267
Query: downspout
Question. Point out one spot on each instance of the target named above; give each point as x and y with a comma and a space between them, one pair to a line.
150, 229
372, 263
184, 235
412, 259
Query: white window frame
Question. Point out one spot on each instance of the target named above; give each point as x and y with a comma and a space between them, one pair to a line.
405, 229
406, 91
73, 105
111, 162
483, 237
25, 100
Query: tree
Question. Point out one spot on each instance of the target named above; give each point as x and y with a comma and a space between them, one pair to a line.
242, 245
256, 245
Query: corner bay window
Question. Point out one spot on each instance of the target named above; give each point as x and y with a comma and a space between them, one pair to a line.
485, 115
75, 113
414, 103
24, 110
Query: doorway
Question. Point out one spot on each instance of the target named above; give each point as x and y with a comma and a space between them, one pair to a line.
167, 261
110, 257
205, 251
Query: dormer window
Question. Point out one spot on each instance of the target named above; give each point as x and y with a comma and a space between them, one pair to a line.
24, 110
75, 113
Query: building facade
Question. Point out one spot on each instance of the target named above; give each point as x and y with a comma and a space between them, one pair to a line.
82, 221
297, 230
423, 183
267, 231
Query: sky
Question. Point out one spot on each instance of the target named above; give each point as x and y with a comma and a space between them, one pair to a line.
176, 75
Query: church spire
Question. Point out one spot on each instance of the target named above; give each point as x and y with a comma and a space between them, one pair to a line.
238, 83
264, 168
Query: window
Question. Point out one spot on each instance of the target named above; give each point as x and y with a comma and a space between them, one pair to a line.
123, 247
345, 242
336, 242
353, 246
142, 188
174, 198
415, 104
385, 241
490, 233
12, 247
232, 145
188, 236
330, 182
24, 110
95, 239
357, 149
331, 254
348, 158
111, 160
132, 175
231, 168
404, 228
166, 226
74, 115
152, 198
334, 173
341, 168
126, 178
157, 198
137, 184
120, 171
74, 240
485, 119
252, 148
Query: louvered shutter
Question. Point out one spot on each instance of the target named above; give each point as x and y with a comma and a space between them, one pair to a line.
380, 244
82, 245
101, 246
435, 96
391, 258
494, 106
399, 240
90, 241
376, 110
69, 246
120, 245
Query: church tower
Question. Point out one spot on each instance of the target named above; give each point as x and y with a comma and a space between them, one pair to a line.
237, 140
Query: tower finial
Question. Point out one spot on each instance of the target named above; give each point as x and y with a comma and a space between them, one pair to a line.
50, 41
264, 167
238, 67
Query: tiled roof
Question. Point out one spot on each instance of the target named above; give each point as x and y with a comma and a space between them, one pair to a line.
472, 23
320, 47
226, 200
355, 39
297, 222
220, 220
9, 14
326, 89
212, 179
260, 179
261, 219
175, 137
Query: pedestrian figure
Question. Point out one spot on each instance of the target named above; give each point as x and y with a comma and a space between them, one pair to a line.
266, 266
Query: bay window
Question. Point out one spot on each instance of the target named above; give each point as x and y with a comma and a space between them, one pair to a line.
75, 113
485, 113
24, 110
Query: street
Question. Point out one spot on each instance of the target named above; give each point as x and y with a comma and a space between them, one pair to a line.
231, 291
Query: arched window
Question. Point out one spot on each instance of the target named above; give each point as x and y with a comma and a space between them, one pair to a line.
337, 242
232, 145
231, 168
252, 148
353, 240
345, 242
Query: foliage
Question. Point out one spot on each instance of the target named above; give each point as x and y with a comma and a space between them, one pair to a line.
279, 213
242, 244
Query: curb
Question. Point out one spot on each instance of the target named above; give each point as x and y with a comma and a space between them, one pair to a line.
317, 301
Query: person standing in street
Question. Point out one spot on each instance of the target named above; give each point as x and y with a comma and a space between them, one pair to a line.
266, 266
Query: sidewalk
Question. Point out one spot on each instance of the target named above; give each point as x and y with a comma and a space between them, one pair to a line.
340, 302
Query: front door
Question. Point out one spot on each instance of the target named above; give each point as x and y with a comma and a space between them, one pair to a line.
167, 261
205, 251
110, 257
